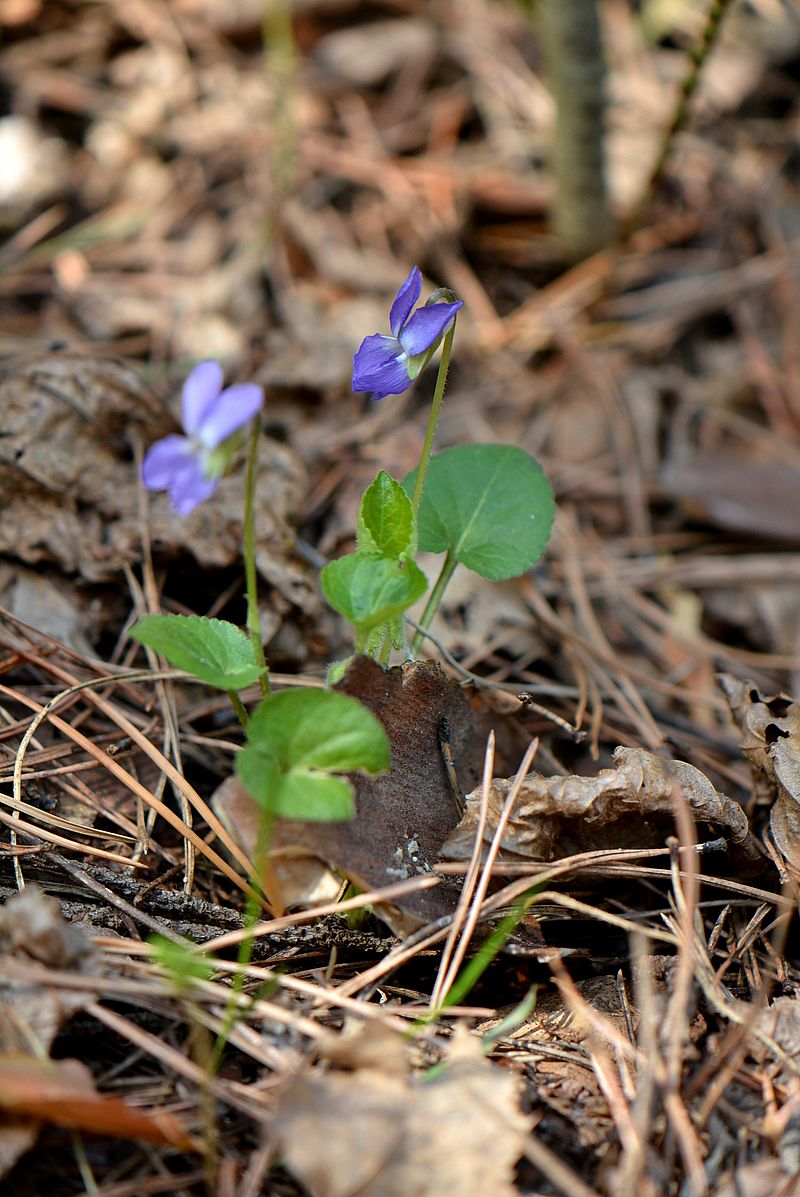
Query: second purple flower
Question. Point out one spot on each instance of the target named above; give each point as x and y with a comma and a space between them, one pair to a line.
190, 466
388, 365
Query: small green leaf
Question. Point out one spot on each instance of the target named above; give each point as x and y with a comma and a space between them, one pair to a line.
212, 650
370, 590
490, 506
386, 523
319, 729
299, 794
296, 740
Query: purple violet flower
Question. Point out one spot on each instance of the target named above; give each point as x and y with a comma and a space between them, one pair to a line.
190, 466
388, 365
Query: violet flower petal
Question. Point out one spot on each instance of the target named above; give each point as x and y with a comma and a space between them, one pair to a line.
164, 460
404, 301
201, 389
426, 326
379, 365
229, 412
190, 487
392, 380
372, 356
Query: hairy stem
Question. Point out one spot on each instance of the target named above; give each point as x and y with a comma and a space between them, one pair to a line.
239, 708
251, 581
433, 418
244, 955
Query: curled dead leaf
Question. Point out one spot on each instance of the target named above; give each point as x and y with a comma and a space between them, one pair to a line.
628, 806
770, 739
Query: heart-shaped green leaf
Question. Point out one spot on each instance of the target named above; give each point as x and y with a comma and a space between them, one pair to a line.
370, 590
296, 740
490, 506
212, 650
386, 524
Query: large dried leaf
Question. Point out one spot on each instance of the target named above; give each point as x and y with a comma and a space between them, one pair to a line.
766, 1177
770, 739
379, 1133
629, 806
33, 931
63, 1092
737, 493
780, 1021
403, 817
367, 53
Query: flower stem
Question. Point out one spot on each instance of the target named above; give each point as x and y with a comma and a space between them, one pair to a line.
245, 952
253, 617
386, 647
433, 418
239, 708
434, 601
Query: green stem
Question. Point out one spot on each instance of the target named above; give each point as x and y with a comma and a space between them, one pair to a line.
245, 952
239, 708
433, 418
251, 581
386, 647
434, 601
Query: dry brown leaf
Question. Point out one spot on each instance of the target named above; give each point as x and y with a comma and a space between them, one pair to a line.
62, 1092
32, 929
735, 492
770, 739
781, 1022
380, 1134
763, 1178
31, 1015
367, 53
403, 817
368, 1045
53, 609
34, 165
629, 806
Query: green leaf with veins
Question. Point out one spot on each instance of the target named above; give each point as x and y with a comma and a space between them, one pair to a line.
212, 650
490, 506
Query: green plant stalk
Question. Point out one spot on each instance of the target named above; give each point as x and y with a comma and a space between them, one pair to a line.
433, 418
245, 952
434, 601
202, 1049
474, 969
251, 580
253, 905
386, 648
361, 640
239, 708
